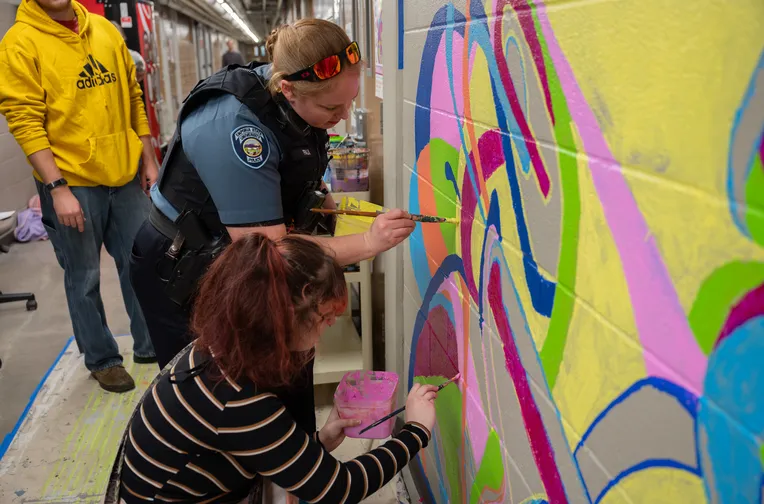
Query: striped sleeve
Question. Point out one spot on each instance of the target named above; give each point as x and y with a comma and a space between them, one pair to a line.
264, 439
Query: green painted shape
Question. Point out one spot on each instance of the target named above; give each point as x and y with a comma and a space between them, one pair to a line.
761, 455
448, 408
441, 152
754, 201
562, 312
490, 475
717, 294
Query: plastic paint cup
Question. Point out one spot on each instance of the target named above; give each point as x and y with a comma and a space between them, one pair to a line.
367, 396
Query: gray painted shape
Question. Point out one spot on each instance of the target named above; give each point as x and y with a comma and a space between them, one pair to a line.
627, 435
746, 140
508, 420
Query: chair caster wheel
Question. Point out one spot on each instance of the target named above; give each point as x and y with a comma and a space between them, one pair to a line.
31, 305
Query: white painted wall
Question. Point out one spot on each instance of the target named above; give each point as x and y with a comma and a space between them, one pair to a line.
16, 182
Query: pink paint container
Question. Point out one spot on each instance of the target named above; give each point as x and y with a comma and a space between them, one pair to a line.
367, 396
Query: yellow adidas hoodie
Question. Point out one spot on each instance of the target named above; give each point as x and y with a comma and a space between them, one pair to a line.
73, 93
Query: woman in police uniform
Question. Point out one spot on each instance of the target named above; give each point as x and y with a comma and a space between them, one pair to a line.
247, 157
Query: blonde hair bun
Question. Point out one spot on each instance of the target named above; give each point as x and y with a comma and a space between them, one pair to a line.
270, 42
301, 44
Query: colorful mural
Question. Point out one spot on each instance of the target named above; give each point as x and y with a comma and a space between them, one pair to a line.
603, 294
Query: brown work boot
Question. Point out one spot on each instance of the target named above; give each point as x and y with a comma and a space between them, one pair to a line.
114, 379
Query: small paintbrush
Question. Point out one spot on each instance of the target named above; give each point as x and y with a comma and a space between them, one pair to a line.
401, 409
414, 217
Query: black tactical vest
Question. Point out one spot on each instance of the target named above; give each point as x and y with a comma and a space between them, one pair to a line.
304, 148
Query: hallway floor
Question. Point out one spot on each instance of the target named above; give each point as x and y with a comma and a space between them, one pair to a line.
58, 427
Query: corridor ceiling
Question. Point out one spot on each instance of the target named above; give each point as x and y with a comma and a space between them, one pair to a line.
264, 15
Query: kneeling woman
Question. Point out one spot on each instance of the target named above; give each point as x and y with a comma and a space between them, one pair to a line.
220, 420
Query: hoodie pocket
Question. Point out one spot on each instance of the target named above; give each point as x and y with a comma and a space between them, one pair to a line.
113, 159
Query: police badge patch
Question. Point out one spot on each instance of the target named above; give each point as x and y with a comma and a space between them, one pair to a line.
250, 145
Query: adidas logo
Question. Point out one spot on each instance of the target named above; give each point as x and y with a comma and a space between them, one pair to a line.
95, 74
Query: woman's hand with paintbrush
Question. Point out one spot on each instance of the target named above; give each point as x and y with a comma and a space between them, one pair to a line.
388, 230
420, 405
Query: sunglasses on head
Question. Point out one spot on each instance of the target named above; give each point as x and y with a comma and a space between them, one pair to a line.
329, 66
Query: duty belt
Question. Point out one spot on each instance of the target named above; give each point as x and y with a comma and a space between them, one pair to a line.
167, 228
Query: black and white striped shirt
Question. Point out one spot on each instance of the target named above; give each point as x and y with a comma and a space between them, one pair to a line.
195, 439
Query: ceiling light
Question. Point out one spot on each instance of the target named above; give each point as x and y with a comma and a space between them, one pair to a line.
238, 21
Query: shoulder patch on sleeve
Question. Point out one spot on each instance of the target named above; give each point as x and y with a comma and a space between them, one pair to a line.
250, 145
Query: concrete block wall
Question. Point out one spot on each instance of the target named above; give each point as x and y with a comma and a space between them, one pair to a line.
16, 182
603, 294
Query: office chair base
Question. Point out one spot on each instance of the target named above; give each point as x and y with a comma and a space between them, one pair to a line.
23, 296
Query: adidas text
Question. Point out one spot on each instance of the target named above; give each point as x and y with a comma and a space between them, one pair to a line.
96, 80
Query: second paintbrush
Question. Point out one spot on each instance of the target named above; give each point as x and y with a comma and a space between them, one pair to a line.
401, 409
414, 217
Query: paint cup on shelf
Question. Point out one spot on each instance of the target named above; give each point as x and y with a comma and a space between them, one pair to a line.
367, 396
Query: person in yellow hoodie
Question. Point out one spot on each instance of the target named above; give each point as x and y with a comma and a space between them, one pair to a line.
69, 93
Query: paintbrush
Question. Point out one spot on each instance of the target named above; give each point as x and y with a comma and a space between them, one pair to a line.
401, 409
414, 217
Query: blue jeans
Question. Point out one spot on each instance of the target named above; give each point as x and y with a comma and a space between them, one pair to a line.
112, 218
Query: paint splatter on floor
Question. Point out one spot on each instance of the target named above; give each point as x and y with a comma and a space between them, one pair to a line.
65, 445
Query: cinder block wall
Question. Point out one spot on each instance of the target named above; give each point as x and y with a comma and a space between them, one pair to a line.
16, 182
603, 295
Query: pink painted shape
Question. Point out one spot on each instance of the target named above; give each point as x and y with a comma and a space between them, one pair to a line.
752, 305
661, 321
447, 127
436, 352
476, 424
491, 152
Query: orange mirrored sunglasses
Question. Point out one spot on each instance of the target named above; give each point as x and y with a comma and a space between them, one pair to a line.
329, 66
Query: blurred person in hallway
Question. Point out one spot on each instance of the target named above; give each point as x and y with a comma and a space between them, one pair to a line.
72, 102
232, 57
140, 63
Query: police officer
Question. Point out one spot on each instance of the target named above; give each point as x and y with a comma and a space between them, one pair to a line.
248, 156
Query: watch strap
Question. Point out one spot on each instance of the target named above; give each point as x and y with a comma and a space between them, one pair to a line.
56, 183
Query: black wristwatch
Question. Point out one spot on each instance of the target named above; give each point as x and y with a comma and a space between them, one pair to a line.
56, 183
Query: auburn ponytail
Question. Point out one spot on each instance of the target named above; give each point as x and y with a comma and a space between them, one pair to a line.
250, 307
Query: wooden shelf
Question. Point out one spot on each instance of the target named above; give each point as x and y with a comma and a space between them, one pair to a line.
338, 352
359, 195
353, 276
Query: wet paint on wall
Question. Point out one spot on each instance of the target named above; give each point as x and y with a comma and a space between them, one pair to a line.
603, 291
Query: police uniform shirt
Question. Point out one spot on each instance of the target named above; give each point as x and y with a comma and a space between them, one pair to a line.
237, 158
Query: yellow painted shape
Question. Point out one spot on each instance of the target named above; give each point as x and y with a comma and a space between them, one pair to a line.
658, 486
665, 80
482, 107
695, 234
600, 363
600, 360
353, 224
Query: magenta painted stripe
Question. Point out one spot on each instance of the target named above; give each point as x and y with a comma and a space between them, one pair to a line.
752, 305
524, 17
671, 351
541, 447
469, 207
761, 150
514, 103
